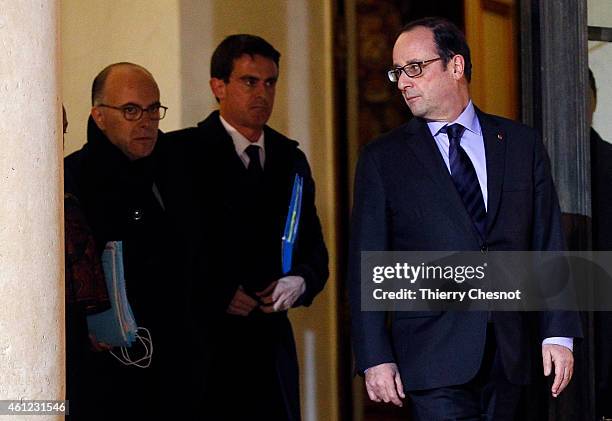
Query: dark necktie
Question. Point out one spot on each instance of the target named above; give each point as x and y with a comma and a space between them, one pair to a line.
254, 169
465, 179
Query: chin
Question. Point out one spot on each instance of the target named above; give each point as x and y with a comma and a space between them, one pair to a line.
417, 112
261, 118
142, 153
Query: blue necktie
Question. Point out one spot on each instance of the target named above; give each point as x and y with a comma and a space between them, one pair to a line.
465, 179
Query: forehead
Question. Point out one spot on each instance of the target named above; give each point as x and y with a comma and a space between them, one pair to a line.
255, 65
127, 85
415, 45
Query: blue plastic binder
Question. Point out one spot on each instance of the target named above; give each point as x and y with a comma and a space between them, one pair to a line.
292, 223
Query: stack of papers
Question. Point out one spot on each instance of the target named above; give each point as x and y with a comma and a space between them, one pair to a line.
115, 326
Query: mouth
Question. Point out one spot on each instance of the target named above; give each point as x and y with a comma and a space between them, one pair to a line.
144, 139
260, 105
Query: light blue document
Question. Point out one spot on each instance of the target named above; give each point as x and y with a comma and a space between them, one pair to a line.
115, 326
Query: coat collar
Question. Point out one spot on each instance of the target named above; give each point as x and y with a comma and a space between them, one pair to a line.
495, 149
108, 161
214, 137
277, 146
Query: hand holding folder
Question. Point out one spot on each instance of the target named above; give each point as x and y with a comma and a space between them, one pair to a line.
284, 292
117, 326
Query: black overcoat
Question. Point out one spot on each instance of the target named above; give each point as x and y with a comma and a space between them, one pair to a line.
239, 228
121, 202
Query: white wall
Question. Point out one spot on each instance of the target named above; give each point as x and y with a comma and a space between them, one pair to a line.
98, 33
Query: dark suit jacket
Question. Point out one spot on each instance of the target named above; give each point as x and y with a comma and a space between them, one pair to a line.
601, 193
245, 228
405, 200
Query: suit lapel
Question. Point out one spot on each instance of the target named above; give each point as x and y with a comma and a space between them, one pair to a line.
277, 169
495, 151
422, 144
214, 138
272, 156
224, 164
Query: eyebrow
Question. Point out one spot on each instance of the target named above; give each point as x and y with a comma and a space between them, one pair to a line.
257, 78
138, 105
411, 61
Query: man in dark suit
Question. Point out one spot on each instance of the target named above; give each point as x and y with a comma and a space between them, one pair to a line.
243, 173
601, 202
453, 178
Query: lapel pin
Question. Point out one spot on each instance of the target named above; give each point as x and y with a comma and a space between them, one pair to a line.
500, 137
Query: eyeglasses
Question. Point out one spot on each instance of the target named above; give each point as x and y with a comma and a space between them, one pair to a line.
411, 69
133, 112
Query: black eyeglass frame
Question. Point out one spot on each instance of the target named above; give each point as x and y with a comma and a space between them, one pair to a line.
151, 110
396, 73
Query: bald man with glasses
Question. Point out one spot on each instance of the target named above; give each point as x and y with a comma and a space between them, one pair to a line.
115, 179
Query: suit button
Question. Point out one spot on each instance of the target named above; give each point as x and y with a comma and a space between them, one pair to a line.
484, 249
137, 215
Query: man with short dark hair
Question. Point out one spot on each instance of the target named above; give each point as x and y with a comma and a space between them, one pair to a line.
453, 178
243, 175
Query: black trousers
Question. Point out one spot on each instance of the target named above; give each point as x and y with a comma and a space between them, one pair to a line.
245, 376
488, 396
603, 363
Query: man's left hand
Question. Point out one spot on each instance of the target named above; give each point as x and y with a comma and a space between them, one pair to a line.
563, 360
285, 292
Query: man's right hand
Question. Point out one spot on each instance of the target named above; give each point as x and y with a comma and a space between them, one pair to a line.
242, 304
98, 346
383, 383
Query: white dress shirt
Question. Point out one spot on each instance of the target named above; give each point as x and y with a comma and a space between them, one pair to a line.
241, 143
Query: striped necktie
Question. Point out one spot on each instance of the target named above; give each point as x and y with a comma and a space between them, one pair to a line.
465, 179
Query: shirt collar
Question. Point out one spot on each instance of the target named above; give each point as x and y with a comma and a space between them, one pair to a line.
467, 119
240, 141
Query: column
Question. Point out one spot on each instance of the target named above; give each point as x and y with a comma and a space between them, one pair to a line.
31, 204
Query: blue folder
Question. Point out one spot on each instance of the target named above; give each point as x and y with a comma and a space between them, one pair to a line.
292, 223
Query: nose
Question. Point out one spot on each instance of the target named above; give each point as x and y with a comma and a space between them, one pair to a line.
146, 120
261, 89
404, 81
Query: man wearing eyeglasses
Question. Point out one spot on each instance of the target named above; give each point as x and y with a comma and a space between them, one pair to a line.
114, 179
453, 178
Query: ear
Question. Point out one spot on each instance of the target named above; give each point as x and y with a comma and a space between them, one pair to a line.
457, 64
217, 86
98, 117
